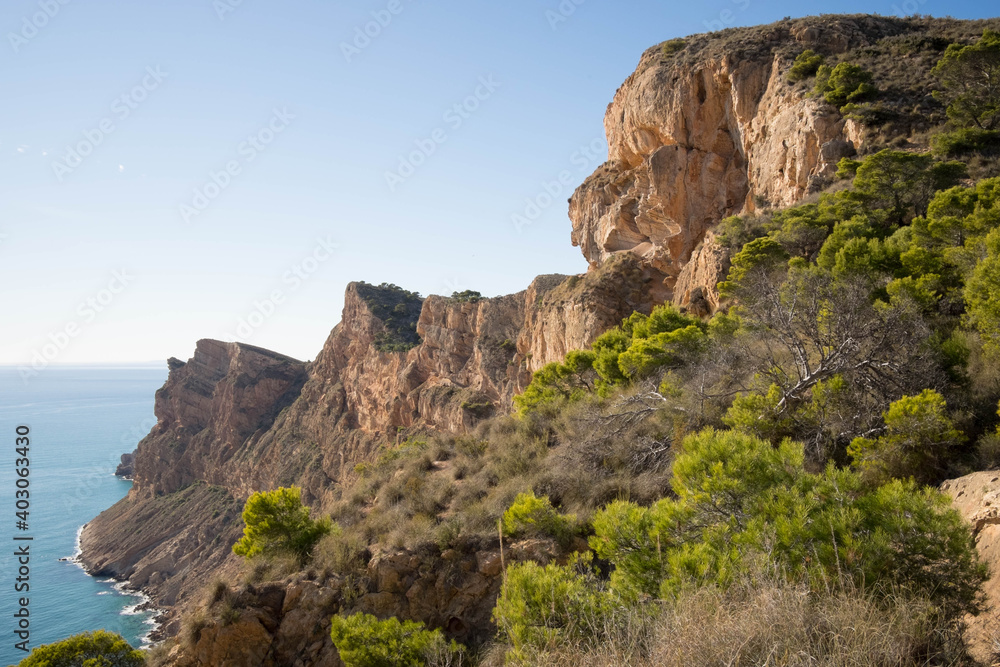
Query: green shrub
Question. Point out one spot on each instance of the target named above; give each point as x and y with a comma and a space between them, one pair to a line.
542, 606
760, 415
739, 499
661, 351
919, 440
643, 345
467, 296
964, 141
89, 649
276, 522
673, 47
802, 229
982, 298
532, 516
902, 184
969, 74
364, 641
806, 64
626, 535
847, 168
736, 231
844, 83
607, 348
556, 382
760, 255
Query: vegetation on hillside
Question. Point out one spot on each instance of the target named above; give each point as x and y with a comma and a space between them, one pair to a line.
277, 522
787, 447
806, 65
467, 296
900, 54
398, 309
740, 508
789, 444
364, 641
968, 74
88, 649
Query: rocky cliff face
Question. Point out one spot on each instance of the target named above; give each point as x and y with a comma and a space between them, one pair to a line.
697, 287
288, 622
473, 357
713, 131
235, 419
126, 468
206, 411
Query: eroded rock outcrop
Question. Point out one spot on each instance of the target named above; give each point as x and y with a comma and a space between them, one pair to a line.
165, 545
713, 131
126, 467
697, 287
206, 411
977, 498
288, 622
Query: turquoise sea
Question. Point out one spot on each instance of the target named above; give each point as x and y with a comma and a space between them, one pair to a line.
81, 419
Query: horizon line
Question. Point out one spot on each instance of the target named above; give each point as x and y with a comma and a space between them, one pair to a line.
70, 364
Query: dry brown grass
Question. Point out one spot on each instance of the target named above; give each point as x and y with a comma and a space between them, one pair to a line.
786, 626
341, 553
159, 655
770, 624
438, 489
269, 568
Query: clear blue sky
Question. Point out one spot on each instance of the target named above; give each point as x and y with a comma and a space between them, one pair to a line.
181, 85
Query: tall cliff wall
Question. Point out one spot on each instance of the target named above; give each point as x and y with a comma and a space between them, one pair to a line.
712, 131
235, 419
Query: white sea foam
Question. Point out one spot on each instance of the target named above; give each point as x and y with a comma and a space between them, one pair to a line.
146, 640
77, 550
142, 607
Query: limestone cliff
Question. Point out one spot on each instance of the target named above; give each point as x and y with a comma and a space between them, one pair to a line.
235, 419
717, 129
472, 358
208, 408
693, 142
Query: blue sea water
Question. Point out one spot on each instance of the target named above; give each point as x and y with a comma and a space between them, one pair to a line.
81, 419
